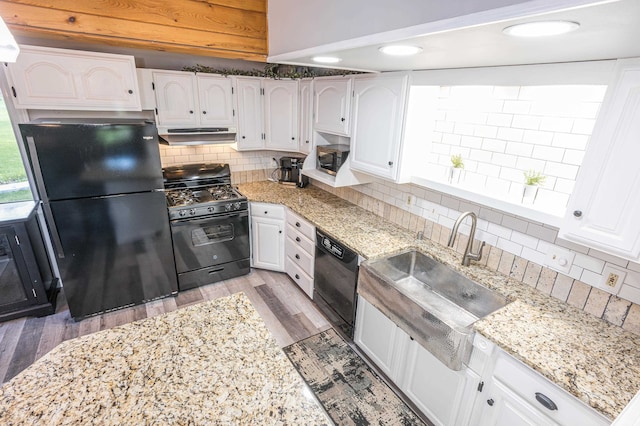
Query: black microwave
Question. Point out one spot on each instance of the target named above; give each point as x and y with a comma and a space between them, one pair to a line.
332, 157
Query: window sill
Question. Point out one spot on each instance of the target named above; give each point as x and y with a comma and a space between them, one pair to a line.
547, 217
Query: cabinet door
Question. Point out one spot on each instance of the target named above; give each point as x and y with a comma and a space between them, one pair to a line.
267, 243
505, 408
306, 116
378, 112
249, 113
331, 104
175, 98
433, 387
15, 283
605, 205
281, 114
216, 101
47, 78
380, 339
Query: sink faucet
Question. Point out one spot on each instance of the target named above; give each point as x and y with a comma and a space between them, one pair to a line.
468, 253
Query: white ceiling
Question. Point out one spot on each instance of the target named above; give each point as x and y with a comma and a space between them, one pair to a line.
607, 31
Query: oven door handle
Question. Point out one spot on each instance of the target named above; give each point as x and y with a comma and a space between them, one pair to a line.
195, 221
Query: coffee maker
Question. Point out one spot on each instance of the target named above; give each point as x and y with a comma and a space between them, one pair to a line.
291, 171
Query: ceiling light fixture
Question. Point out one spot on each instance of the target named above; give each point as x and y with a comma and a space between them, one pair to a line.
541, 28
400, 50
326, 59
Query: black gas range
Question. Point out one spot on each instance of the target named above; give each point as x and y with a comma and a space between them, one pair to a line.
209, 224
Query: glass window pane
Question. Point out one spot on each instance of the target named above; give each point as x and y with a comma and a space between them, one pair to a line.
13, 178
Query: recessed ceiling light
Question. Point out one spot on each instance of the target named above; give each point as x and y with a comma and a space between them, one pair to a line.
326, 59
400, 50
541, 28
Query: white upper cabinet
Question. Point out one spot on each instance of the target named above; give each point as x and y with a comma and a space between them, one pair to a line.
281, 114
306, 116
216, 100
604, 208
249, 101
185, 99
332, 101
378, 113
47, 78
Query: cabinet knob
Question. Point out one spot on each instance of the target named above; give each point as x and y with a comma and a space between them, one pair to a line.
306, 141
293, 139
130, 91
204, 112
298, 239
546, 401
391, 163
490, 402
298, 224
577, 213
265, 212
342, 119
279, 232
190, 111
298, 256
297, 277
244, 137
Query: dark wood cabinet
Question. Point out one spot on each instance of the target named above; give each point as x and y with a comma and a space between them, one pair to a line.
27, 283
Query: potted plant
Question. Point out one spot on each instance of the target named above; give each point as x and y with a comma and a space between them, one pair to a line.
455, 171
532, 181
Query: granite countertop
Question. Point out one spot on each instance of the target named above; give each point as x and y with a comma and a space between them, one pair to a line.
211, 363
16, 212
595, 361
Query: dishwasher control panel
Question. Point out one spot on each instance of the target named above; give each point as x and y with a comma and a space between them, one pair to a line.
332, 247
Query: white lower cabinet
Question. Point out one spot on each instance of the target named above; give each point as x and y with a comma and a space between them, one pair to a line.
300, 251
267, 236
435, 389
507, 409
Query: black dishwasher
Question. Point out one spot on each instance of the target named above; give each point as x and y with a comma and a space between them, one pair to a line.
335, 278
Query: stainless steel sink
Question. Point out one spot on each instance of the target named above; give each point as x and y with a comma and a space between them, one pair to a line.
433, 303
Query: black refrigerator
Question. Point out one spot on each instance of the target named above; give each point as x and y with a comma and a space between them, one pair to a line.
100, 183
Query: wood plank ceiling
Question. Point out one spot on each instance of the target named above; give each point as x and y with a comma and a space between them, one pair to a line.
221, 28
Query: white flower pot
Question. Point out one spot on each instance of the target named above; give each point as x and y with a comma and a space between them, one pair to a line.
529, 194
455, 175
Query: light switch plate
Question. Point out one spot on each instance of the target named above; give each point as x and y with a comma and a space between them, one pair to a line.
559, 259
612, 279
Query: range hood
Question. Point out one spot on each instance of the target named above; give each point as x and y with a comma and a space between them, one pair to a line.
197, 135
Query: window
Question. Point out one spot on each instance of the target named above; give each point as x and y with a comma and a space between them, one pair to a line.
14, 185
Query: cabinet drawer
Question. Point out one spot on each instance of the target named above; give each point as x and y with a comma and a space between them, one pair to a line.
300, 257
306, 228
274, 211
299, 240
304, 281
527, 384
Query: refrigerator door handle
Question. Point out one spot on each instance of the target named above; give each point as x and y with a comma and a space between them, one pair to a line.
53, 229
37, 172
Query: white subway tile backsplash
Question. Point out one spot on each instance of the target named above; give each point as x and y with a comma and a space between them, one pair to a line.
509, 246
532, 255
526, 122
567, 140
524, 240
464, 129
541, 232
609, 258
472, 142
537, 137
519, 149
501, 120
566, 171
516, 107
591, 278
486, 131
575, 272
506, 92
590, 263
583, 126
510, 134
556, 124
514, 223
548, 153
499, 231
629, 293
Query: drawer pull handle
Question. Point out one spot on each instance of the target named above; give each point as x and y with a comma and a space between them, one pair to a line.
298, 239
490, 402
297, 277
298, 224
546, 401
298, 256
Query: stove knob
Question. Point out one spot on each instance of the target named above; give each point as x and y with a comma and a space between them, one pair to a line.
210, 209
227, 207
237, 205
182, 212
192, 212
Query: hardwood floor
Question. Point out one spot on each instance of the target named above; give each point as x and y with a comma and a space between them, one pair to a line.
285, 309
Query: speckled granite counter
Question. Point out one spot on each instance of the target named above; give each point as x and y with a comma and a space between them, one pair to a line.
597, 362
212, 363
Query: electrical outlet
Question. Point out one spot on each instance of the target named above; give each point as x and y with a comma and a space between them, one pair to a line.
559, 259
612, 278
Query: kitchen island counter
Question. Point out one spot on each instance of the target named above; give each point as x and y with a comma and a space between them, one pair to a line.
211, 363
593, 360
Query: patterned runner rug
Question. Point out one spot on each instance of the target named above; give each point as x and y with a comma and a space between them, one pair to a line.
348, 389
